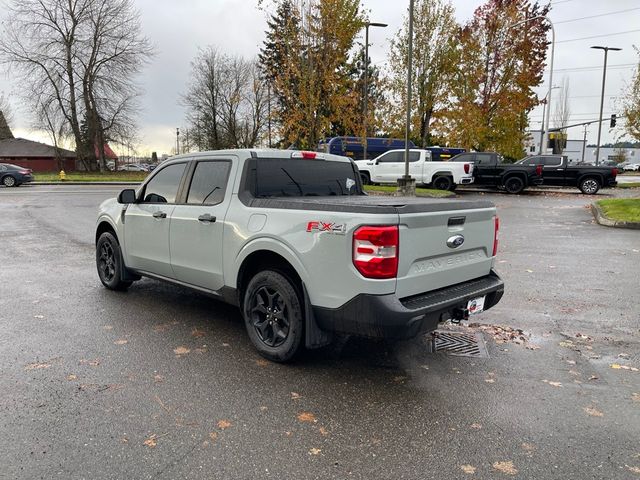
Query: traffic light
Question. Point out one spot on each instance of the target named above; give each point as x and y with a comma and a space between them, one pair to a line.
612, 123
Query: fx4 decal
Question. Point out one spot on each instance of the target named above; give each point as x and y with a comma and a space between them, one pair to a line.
334, 228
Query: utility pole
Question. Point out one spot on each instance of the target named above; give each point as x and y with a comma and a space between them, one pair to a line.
366, 84
584, 142
269, 112
604, 78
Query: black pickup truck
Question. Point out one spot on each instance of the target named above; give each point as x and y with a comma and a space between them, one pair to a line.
490, 170
556, 170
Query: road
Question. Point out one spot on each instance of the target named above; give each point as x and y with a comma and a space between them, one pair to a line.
162, 383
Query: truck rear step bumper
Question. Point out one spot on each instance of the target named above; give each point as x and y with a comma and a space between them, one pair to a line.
386, 316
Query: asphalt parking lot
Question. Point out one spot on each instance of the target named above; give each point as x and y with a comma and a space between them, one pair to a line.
162, 383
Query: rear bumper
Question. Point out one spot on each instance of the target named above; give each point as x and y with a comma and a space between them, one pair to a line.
386, 316
466, 181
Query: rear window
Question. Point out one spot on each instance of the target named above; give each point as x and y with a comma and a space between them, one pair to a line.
294, 177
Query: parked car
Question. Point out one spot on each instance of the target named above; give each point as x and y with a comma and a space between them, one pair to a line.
557, 171
131, 167
630, 167
291, 238
390, 166
14, 175
490, 170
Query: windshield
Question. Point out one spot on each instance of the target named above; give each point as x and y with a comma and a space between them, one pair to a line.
294, 177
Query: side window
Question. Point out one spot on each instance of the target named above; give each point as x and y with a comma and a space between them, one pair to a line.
552, 161
209, 182
163, 187
413, 156
483, 158
392, 157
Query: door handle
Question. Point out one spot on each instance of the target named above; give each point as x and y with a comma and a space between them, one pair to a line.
559, 169
159, 215
206, 218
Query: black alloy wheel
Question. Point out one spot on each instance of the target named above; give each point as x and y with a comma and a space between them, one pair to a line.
109, 262
514, 185
273, 315
442, 183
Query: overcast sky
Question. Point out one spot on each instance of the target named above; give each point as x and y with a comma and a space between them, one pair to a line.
178, 28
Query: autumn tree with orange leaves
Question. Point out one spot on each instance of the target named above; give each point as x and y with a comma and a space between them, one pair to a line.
498, 66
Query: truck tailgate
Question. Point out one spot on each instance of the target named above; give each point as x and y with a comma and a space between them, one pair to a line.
429, 258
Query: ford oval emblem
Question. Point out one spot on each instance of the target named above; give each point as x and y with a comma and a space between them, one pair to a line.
455, 241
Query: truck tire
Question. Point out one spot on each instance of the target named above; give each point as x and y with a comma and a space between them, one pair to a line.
514, 185
273, 316
442, 182
589, 185
109, 262
365, 178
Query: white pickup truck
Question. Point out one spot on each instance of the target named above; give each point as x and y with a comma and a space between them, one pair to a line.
389, 166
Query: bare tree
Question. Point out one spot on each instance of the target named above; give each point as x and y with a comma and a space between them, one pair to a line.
81, 57
226, 102
562, 112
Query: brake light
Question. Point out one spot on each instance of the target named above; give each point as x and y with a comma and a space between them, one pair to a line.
539, 170
24, 172
496, 228
375, 251
466, 168
614, 172
306, 155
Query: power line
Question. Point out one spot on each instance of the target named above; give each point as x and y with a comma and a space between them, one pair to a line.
596, 16
595, 67
599, 36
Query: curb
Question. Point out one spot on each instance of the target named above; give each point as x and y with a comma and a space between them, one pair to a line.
602, 219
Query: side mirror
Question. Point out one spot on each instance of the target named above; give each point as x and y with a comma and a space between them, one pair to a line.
127, 196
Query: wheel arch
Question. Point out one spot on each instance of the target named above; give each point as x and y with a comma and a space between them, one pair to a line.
105, 225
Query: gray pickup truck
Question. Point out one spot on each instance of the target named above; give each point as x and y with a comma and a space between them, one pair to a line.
291, 238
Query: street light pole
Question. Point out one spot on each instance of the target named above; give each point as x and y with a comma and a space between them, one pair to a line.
409, 80
604, 78
366, 83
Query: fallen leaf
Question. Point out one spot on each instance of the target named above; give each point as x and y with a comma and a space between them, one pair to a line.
624, 355
181, 351
150, 442
225, 344
476, 426
636, 397
295, 396
529, 271
124, 440
573, 372
213, 436
92, 363
37, 366
72, 377
593, 377
505, 467
108, 327
38, 316
528, 447
633, 469
594, 412
224, 424
315, 451
158, 378
323, 431
571, 362
399, 379
197, 333
490, 380
553, 384
307, 417
122, 341
468, 469
617, 366
262, 363
533, 347
263, 408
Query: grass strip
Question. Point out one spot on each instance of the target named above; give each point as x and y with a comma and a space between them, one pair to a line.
621, 209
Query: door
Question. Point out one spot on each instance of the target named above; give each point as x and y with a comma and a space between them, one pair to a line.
389, 166
146, 223
197, 227
553, 171
486, 170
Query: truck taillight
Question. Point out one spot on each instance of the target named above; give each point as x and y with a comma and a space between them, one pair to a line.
304, 154
375, 251
496, 229
467, 167
614, 172
538, 170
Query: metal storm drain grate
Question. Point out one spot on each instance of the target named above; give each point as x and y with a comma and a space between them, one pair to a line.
457, 343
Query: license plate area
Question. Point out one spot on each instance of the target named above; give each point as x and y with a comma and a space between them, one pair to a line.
475, 305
